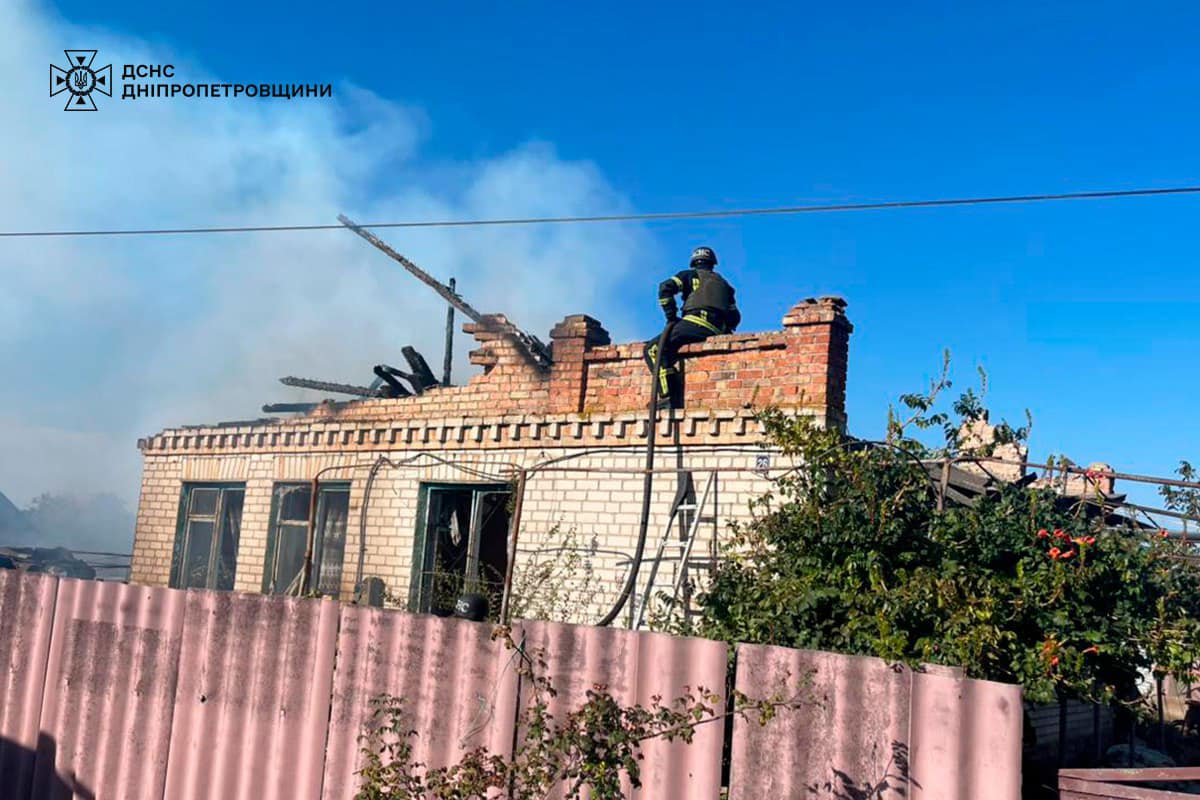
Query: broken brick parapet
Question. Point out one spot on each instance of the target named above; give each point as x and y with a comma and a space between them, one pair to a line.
499, 348
818, 311
580, 327
505, 391
716, 344
801, 368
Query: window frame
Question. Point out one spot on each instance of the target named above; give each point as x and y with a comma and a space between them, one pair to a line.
183, 533
324, 489
423, 555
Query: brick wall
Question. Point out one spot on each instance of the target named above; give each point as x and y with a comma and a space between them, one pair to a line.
598, 512
802, 366
589, 405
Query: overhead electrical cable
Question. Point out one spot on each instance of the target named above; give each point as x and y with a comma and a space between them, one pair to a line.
650, 217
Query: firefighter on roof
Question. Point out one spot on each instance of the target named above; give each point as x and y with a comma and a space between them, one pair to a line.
709, 309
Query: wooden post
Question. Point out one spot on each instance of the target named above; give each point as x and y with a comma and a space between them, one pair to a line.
1162, 726
448, 360
306, 573
1062, 728
943, 485
514, 529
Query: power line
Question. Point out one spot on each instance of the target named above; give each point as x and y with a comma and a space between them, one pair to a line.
653, 217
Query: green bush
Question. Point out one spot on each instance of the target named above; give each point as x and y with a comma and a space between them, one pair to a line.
849, 553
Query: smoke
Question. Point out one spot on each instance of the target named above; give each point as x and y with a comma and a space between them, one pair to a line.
103, 340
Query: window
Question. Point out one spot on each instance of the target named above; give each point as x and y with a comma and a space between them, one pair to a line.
288, 538
206, 542
461, 545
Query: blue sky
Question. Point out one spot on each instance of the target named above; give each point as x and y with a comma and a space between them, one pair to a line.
1087, 313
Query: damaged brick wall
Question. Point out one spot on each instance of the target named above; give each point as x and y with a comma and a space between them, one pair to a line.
590, 405
803, 366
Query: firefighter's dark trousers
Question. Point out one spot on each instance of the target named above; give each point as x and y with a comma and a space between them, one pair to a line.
670, 382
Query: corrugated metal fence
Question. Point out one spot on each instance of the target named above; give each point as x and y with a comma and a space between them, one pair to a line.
134, 693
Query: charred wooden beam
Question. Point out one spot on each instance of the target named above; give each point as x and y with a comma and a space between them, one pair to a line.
446, 293
289, 408
538, 353
422, 376
393, 387
326, 386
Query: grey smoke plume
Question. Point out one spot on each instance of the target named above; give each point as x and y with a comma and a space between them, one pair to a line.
106, 339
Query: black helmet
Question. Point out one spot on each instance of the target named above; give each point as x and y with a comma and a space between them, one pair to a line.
703, 255
471, 606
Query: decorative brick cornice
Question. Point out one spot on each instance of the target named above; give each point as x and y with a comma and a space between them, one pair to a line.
721, 426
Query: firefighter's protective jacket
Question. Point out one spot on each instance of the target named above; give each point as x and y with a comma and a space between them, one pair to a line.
708, 300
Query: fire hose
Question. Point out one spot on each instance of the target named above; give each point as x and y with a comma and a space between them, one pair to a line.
647, 485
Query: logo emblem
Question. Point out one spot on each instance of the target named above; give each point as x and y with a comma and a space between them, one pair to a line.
80, 79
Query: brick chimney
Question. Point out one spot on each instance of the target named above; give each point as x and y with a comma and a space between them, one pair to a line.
570, 340
818, 352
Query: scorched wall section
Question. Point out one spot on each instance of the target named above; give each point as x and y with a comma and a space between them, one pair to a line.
586, 410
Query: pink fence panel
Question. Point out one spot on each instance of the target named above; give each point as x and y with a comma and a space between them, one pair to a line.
871, 729
850, 734
113, 691
965, 738
110, 685
252, 703
458, 686
635, 667
26, 618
